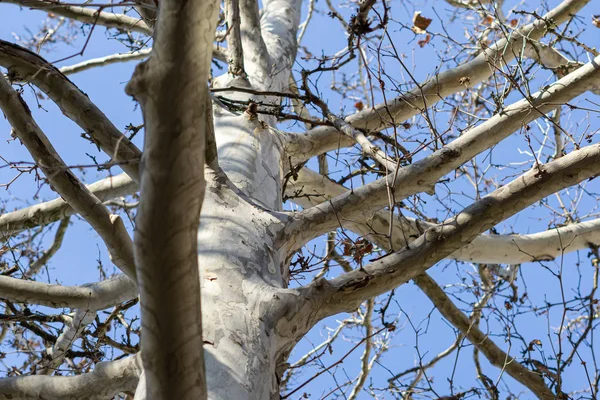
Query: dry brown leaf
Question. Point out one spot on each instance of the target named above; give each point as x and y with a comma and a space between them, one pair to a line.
420, 24
423, 42
488, 20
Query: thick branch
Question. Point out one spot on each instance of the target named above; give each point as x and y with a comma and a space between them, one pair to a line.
346, 292
171, 196
426, 94
312, 188
54, 210
420, 175
257, 63
107, 380
405, 230
93, 296
76, 105
71, 332
279, 25
109, 227
234, 38
87, 15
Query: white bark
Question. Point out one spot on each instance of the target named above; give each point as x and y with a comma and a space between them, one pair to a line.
107, 380
250, 155
57, 209
73, 328
241, 269
93, 296
107, 60
241, 272
218, 54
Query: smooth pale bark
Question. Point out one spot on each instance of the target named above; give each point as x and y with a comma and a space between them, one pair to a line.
251, 322
242, 271
107, 60
93, 296
241, 279
173, 92
234, 38
107, 380
219, 53
73, 328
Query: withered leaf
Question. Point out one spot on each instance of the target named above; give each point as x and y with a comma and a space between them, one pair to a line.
420, 24
423, 42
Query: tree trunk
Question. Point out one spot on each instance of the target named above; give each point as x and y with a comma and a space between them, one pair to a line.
240, 269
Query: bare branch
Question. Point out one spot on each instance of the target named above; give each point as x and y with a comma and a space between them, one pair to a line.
234, 39
422, 174
364, 6
344, 127
549, 57
311, 188
252, 41
38, 264
148, 9
346, 292
107, 380
279, 26
86, 15
532, 380
57, 209
426, 94
304, 25
109, 227
103, 61
366, 364
25, 65
73, 329
93, 296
